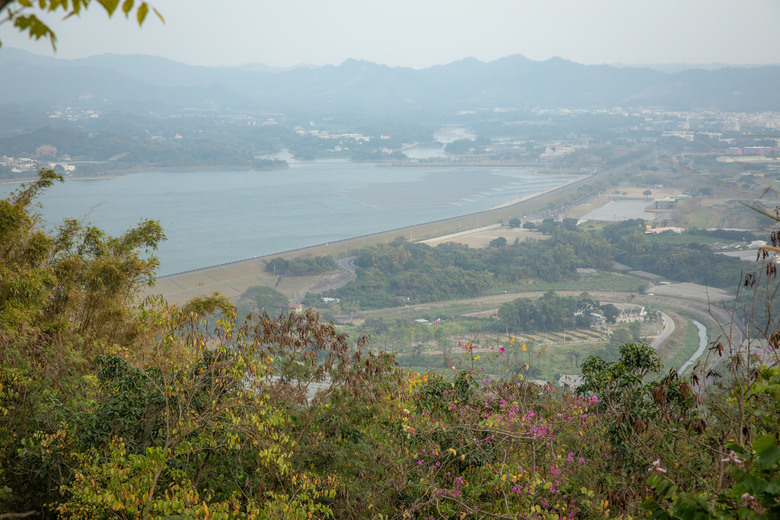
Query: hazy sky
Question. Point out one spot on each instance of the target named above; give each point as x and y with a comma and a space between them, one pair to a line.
420, 33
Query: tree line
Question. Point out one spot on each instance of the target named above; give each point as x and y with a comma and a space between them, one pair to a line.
305, 265
549, 313
402, 272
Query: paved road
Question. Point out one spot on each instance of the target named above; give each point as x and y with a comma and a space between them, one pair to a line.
703, 341
347, 264
723, 317
669, 327
347, 274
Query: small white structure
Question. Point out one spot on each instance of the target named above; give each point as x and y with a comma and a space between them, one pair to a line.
570, 380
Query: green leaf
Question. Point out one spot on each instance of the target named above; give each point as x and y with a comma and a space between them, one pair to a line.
127, 6
691, 507
760, 211
735, 447
767, 450
35, 28
769, 457
754, 485
663, 486
143, 10
109, 5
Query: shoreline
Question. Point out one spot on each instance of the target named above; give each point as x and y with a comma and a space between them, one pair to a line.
117, 174
91, 178
395, 231
231, 279
524, 198
456, 164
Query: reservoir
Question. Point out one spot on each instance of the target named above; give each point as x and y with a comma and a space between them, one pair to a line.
215, 217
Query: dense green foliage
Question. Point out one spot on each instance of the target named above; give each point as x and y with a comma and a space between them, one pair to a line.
111, 410
680, 263
77, 278
264, 299
549, 313
301, 266
399, 272
735, 235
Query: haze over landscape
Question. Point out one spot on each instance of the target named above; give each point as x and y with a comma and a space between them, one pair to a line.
434, 32
390, 260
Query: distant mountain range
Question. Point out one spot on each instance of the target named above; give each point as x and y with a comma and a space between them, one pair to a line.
365, 87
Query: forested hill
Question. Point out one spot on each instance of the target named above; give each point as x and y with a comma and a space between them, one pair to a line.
513, 81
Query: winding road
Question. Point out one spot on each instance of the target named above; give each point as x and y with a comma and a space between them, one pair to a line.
345, 275
669, 327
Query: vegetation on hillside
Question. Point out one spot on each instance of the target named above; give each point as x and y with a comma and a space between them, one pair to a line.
109, 409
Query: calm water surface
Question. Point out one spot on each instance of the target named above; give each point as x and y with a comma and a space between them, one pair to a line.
222, 216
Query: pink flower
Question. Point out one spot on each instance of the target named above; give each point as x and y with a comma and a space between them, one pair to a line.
656, 467
732, 458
